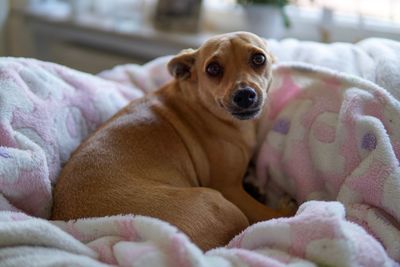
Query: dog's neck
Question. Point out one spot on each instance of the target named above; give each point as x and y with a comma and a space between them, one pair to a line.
234, 138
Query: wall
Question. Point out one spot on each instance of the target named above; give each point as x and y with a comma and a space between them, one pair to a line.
19, 41
3, 18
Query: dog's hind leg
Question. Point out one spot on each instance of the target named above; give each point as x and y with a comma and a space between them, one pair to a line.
254, 210
202, 213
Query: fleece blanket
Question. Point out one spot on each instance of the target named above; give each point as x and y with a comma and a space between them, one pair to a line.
330, 135
335, 137
344, 126
46, 110
319, 235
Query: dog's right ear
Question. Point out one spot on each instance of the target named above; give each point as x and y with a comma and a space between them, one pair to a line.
181, 66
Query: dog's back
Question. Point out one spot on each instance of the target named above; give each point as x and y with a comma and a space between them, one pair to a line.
137, 163
127, 154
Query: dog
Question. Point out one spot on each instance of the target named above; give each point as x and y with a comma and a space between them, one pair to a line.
180, 154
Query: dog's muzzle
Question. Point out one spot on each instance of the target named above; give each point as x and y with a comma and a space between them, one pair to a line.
245, 103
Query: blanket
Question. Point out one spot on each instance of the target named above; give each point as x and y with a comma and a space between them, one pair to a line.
335, 137
319, 235
46, 111
350, 137
352, 132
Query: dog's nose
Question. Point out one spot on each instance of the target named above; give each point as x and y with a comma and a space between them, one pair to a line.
244, 98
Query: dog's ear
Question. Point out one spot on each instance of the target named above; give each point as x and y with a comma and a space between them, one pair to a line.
180, 67
273, 59
269, 76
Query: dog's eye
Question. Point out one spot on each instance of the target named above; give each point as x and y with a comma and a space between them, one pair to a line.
214, 69
258, 59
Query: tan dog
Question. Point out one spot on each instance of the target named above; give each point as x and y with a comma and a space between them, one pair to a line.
179, 154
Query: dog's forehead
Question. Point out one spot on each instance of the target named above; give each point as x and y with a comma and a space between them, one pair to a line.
232, 41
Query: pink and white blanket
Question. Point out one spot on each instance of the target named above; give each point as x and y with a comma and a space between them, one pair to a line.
335, 137
329, 136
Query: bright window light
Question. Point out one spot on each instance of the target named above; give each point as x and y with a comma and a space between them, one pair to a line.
388, 10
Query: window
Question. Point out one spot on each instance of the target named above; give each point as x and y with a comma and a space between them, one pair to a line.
316, 20
386, 10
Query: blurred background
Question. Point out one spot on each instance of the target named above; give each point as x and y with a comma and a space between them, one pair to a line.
93, 35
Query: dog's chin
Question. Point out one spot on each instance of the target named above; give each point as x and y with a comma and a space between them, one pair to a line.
246, 114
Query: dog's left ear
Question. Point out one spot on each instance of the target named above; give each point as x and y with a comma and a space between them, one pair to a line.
181, 66
273, 58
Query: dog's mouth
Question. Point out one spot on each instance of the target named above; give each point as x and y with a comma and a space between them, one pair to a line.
246, 114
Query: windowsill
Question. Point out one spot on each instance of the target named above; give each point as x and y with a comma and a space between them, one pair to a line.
112, 25
140, 41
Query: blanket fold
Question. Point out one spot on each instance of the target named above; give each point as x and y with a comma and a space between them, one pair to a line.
318, 235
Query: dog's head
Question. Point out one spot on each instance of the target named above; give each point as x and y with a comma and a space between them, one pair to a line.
232, 73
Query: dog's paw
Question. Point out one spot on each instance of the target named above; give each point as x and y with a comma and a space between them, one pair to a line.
287, 206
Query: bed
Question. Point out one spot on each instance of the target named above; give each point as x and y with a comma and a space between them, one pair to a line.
331, 141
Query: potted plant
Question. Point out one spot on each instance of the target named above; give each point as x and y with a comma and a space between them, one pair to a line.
266, 18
